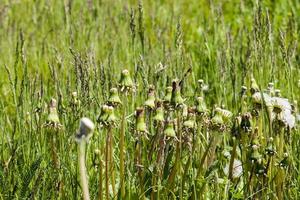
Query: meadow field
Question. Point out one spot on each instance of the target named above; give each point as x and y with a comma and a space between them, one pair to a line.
149, 99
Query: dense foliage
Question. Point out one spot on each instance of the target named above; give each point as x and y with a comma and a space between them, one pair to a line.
190, 99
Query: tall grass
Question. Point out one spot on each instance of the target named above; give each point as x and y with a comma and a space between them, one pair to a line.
75, 52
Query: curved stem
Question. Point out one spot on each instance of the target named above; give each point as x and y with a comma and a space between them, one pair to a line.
82, 170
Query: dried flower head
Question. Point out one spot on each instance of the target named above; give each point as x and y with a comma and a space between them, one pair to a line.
107, 116
126, 82
169, 131
176, 99
114, 98
190, 123
159, 113
150, 102
52, 120
201, 106
168, 95
140, 120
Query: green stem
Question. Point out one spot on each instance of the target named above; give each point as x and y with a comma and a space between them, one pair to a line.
122, 150
100, 179
82, 170
107, 167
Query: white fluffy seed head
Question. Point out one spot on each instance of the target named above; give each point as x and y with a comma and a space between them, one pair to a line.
86, 128
87, 123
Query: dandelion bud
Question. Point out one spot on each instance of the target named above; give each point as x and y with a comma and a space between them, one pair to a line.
140, 120
168, 95
176, 99
126, 82
114, 98
159, 114
52, 119
254, 87
169, 130
86, 129
150, 102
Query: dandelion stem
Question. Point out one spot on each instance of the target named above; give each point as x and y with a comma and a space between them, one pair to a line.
82, 170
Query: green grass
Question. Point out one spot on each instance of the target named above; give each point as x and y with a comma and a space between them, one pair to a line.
51, 48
